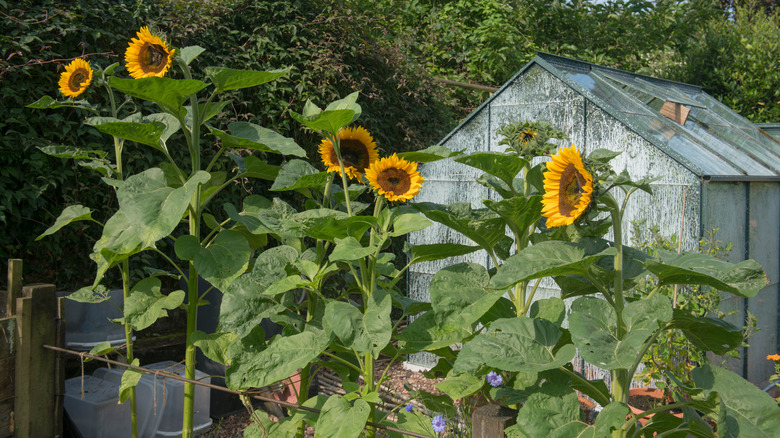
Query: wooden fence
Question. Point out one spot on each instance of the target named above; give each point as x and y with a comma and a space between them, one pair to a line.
31, 380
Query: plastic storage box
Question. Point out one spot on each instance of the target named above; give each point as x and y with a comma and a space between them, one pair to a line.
171, 422
88, 324
97, 414
148, 419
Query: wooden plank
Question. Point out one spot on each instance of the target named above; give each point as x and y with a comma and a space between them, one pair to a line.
7, 335
7, 370
7, 418
14, 285
59, 372
491, 420
35, 367
675, 111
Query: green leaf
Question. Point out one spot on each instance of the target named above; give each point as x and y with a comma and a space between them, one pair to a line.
552, 309
155, 208
166, 92
336, 116
121, 238
102, 348
429, 155
545, 259
299, 174
518, 212
504, 167
224, 260
47, 102
214, 345
257, 168
243, 303
339, 419
408, 223
144, 133
744, 279
459, 296
230, 79
73, 153
748, 410
368, 333
328, 224
481, 226
171, 124
247, 135
546, 411
146, 304
186, 247
593, 325
283, 357
89, 294
208, 110
189, 53
515, 344
709, 334
423, 334
130, 379
438, 251
73, 213
458, 386
349, 249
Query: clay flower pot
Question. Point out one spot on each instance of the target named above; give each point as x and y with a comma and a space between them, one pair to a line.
642, 399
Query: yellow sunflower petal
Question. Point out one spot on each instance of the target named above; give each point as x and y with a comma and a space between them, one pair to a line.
395, 178
148, 55
568, 188
76, 78
358, 151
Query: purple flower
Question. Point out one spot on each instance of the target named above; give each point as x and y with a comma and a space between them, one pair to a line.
438, 424
409, 407
494, 379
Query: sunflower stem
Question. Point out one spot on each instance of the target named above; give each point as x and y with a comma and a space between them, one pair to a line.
621, 381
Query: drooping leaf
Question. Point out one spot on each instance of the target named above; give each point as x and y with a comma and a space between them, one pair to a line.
460, 297
146, 304
130, 379
518, 212
247, 135
744, 279
147, 133
121, 238
152, 206
748, 410
70, 214
438, 251
429, 154
230, 79
481, 226
340, 419
214, 345
89, 294
504, 167
257, 168
47, 102
328, 224
515, 344
166, 92
423, 334
73, 153
224, 260
299, 174
709, 334
545, 259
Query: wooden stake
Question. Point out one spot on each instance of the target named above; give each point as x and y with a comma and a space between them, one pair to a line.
491, 420
14, 285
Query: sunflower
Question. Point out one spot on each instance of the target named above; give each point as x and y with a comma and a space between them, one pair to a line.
148, 55
395, 178
358, 151
76, 78
568, 188
527, 136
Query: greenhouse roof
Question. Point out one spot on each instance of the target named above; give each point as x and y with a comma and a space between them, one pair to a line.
773, 129
689, 125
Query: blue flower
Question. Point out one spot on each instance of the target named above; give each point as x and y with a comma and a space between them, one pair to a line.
409, 407
438, 424
494, 379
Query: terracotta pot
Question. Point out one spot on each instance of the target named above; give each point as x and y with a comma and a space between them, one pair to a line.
653, 393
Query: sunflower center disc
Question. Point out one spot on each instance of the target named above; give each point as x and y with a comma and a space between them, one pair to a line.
355, 154
155, 57
77, 79
394, 180
570, 190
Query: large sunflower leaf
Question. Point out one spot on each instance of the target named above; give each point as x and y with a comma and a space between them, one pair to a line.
368, 333
459, 386
423, 334
299, 174
189, 53
146, 304
337, 115
257, 168
612, 417
230, 79
349, 248
748, 410
709, 334
545, 259
145, 133
328, 224
429, 155
166, 92
340, 419
438, 251
250, 136
518, 212
546, 411
224, 260
155, 208
73, 153
515, 344
744, 279
243, 304
459, 295
250, 368
121, 238
593, 323
47, 102
481, 226
70, 214
503, 166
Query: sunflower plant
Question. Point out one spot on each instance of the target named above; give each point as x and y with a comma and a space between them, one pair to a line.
610, 323
168, 202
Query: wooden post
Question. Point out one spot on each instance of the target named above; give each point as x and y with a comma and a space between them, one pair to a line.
491, 420
34, 407
8, 343
14, 285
